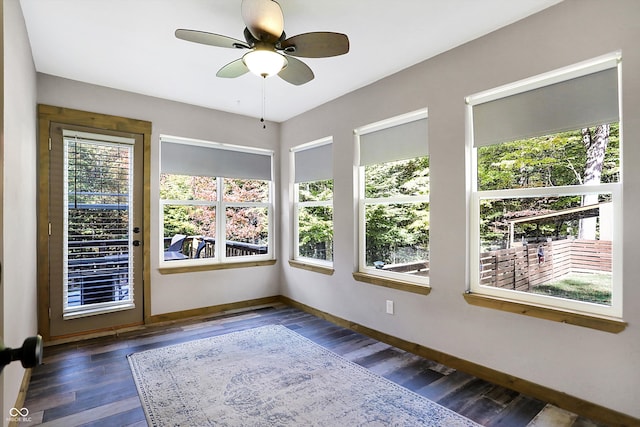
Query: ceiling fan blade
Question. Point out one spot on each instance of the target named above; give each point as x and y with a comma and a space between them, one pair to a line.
319, 44
210, 39
233, 69
296, 72
264, 19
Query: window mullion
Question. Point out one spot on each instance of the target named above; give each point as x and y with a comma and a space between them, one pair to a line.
550, 191
315, 203
246, 204
296, 218
362, 220
187, 202
396, 200
221, 221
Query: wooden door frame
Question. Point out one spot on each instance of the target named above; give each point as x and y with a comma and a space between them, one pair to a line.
46, 115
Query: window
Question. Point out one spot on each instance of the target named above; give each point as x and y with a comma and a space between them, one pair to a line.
215, 203
313, 202
394, 198
546, 189
97, 223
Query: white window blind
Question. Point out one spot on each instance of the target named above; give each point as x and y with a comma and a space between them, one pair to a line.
98, 179
400, 142
214, 160
314, 163
578, 102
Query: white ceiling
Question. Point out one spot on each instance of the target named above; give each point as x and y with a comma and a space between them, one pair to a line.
130, 45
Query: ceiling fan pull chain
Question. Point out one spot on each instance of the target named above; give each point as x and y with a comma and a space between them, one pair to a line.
264, 101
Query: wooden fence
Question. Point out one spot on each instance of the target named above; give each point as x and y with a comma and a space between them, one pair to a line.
523, 267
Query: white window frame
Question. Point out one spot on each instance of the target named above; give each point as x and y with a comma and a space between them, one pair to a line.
84, 310
615, 189
297, 204
364, 201
220, 206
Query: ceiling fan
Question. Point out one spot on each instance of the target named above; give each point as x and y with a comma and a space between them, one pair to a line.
270, 51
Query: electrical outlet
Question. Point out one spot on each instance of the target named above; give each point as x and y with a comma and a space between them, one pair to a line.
389, 306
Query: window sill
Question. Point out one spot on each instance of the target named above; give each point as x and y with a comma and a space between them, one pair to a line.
311, 267
602, 323
219, 266
392, 283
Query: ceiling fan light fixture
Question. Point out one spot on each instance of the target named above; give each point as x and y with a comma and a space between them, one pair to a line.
264, 63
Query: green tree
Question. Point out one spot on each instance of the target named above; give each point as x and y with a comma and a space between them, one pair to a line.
397, 232
561, 159
97, 183
315, 223
595, 142
188, 220
243, 224
246, 224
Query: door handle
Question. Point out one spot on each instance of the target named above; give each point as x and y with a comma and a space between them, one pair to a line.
136, 243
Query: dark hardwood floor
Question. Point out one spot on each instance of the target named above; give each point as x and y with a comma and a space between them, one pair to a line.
89, 383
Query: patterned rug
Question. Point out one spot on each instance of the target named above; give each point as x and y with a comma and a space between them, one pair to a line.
272, 376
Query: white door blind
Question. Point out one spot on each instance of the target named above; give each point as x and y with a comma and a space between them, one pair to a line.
405, 141
215, 160
97, 222
314, 163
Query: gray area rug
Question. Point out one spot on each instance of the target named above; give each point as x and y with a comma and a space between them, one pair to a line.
272, 376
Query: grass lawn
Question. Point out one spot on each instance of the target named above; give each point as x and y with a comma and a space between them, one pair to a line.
588, 287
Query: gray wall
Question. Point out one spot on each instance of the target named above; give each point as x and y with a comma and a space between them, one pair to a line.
19, 196
179, 292
596, 366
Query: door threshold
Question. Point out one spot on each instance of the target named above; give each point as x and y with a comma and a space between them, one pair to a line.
97, 333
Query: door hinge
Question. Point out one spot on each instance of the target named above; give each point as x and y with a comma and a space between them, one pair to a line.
49, 229
49, 144
49, 313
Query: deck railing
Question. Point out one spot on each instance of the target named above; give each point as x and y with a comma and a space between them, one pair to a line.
97, 271
204, 247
